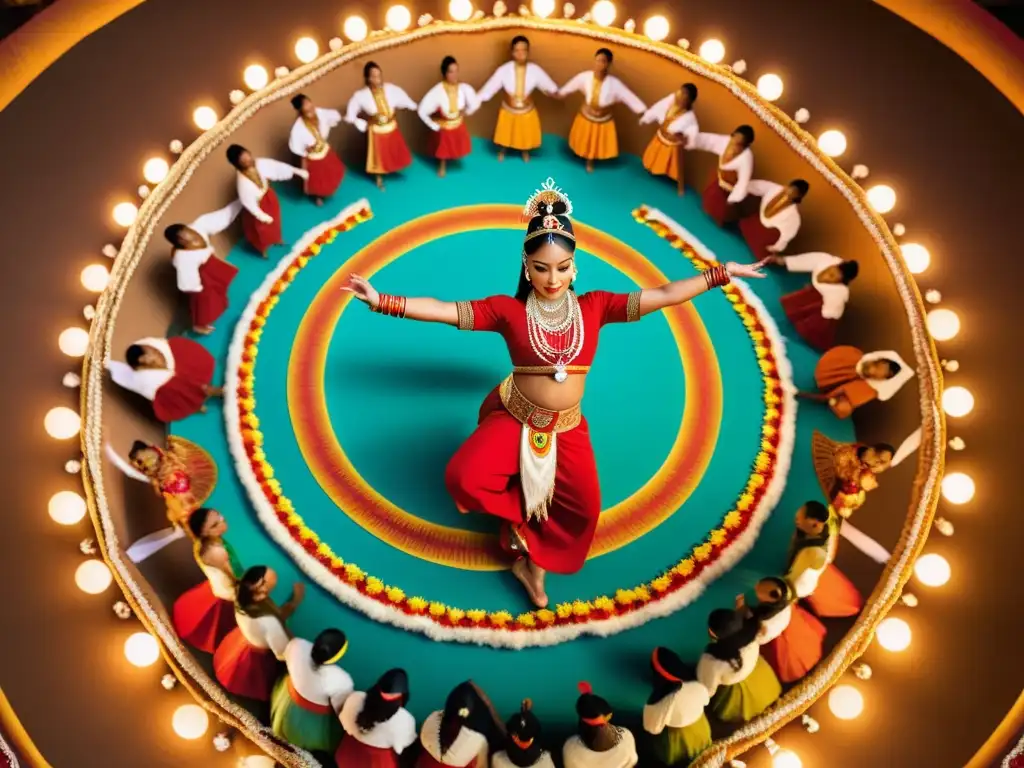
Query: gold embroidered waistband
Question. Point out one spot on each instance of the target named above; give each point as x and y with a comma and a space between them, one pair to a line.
550, 369
533, 416
449, 123
517, 106
385, 126
596, 114
318, 153
669, 139
728, 184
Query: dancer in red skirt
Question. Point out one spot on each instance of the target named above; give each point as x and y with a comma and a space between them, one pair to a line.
777, 221
728, 187
174, 374
378, 727
530, 462
386, 150
810, 570
261, 219
459, 735
815, 310
308, 140
246, 662
201, 273
791, 638
205, 614
443, 110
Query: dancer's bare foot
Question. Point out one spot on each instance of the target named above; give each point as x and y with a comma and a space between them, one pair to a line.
380, 182
203, 330
590, 166
319, 201
442, 168
523, 570
526, 157
501, 155
462, 509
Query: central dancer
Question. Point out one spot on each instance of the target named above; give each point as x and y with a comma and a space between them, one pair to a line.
530, 461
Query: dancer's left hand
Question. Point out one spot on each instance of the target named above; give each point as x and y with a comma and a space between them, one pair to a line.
747, 270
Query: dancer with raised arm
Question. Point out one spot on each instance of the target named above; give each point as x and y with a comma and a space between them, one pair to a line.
261, 214
386, 150
308, 140
677, 130
530, 461
728, 187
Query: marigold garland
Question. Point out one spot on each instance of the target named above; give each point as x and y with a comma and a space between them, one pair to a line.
733, 524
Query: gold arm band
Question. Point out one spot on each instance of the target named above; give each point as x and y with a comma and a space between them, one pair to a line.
633, 306
466, 316
549, 369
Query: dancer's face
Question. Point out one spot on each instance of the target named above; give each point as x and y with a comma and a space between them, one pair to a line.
215, 525
876, 459
308, 109
520, 53
601, 65
551, 271
375, 78
808, 524
147, 460
452, 74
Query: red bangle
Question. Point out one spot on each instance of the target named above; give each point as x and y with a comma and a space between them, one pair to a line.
392, 306
716, 277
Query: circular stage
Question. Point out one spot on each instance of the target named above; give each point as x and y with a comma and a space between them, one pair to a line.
339, 423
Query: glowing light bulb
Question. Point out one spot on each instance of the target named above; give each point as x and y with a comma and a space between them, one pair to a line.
62, 423
141, 649
398, 18
66, 508
932, 570
916, 256
462, 10
957, 488
603, 13
355, 28
785, 758
95, 278
155, 170
204, 118
73, 341
124, 214
656, 28
846, 702
832, 143
306, 49
882, 198
255, 77
957, 401
893, 634
542, 8
712, 51
943, 324
93, 577
190, 721
769, 86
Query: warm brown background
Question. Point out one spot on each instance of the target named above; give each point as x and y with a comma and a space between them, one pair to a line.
130, 88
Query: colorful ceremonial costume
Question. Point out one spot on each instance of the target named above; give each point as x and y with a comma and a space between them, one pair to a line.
815, 310
674, 714
386, 150
308, 140
593, 135
443, 110
525, 458
305, 703
378, 747
775, 224
469, 750
844, 478
739, 694
791, 639
205, 614
728, 187
518, 124
838, 373
201, 274
177, 391
816, 580
246, 662
261, 219
677, 130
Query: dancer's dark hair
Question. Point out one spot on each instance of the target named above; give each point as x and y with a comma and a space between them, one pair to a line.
747, 133
173, 232
197, 519
816, 511
594, 716
691, 89
520, 39
606, 53
446, 62
327, 645
670, 672
462, 709
849, 271
246, 584
802, 187
367, 69
234, 153
388, 695
523, 747
299, 100
534, 244
733, 632
134, 354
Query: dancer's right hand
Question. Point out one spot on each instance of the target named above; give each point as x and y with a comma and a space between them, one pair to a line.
360, 288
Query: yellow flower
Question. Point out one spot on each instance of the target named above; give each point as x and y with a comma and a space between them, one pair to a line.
438, 609
245, 366
685, 567
272, 301
545, 616
314, 249
476, 616
771, 414
733, 297
581, 608
302, 261
395, 595
757, 336
625, 596
772, 399
769, 431
455, 615
251, 420
257, 437
336, 562
766, 366
718, 536
762, 462
291, 272
703, 552
247, 403
417, 604
294, 520
744, 502
324, 549
564, 610
761, 352
756, 481
354, 572
767, 448
526, 620
643, 594
501, 618
374, 586
604, 603
733, 519
286, 506
662, 583
275, 486
268, 471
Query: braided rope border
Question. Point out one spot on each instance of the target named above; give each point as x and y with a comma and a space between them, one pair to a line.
931, 455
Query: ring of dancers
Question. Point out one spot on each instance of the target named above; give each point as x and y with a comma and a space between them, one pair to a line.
530, 461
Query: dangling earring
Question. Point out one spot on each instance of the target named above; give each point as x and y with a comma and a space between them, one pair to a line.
526, 272
575, 272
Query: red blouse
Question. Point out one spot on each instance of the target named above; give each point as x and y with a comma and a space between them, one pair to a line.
507, 315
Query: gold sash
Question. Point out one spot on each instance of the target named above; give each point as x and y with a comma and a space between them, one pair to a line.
320, 148
453, 118
674, 111
592, 109
384, 120
518, 103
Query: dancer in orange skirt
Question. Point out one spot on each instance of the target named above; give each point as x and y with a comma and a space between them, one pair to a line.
677, 130
518, 127
261, 215
593, 136
308, 140
847, 378
459, 735
728, 187
791, 638
777, 221
201, 273
443, 110
530, 462
810, 570
386, 150
378, 728
815, 311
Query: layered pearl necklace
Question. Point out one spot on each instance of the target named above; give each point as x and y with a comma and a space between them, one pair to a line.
561, 319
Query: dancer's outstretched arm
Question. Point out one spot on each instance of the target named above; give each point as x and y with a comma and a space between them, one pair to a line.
682, 291
426, 309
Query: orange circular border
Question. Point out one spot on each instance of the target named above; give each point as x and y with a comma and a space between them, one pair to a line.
642, 512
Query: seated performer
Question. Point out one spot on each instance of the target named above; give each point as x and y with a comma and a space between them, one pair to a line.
246, 662
530, 428
458, 735
205, 614
791, 639
815, 310
443, 110
518, 126
847, 471
598, 743
740, 683
173, 374
386, 150
261, 217
810, 571
677, 130
305, 703
848, 378
674, 714
378, 727
522, 747
201, 273
308, 140
728, 187
593, 136
777, 221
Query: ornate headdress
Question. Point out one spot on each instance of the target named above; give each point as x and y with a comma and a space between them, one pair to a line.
541, 203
